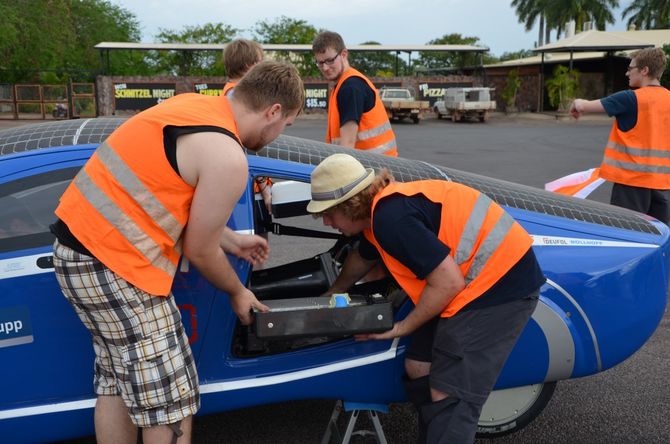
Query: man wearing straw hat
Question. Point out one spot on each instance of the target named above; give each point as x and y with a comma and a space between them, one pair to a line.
466, 264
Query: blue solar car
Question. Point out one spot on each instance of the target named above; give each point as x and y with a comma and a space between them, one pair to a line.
606, 291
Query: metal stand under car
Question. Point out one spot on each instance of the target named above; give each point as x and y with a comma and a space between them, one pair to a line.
356, 408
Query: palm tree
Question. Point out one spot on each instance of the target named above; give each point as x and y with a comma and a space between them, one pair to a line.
648, 14
582, 11
529, 11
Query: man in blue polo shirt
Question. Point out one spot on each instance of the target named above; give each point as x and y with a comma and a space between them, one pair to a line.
637, 155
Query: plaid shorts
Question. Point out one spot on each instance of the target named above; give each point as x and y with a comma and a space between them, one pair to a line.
141, 350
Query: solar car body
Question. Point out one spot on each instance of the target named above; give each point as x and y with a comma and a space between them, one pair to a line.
606, 291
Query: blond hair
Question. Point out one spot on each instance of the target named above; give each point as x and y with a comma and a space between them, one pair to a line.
652, 58
239, 55
271, 82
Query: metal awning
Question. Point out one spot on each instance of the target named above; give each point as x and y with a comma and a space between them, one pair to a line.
589, 41
283, 47
594, 41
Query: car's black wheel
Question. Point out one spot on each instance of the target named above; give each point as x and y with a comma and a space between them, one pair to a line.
508, 411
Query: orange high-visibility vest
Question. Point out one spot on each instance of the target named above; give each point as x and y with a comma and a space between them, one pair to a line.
374, 129
640, 157
127, 205
227, 87
485, 241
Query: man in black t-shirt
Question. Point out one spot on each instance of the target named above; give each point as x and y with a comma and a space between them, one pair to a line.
466, 264
356, 116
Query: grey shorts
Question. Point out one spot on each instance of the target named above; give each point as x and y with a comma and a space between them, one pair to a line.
141, 349
655, 203
468, 350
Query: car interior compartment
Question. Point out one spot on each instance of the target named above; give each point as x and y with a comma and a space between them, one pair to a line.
299, 315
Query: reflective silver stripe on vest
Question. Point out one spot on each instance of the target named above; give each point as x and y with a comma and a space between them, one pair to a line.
469, 237
140, 193
637, 167
374, 132
638, 152
383, 148
124, 224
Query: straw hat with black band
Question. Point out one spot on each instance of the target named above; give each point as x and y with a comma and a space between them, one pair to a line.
337, 178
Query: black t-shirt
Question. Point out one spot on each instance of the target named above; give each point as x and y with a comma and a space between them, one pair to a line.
407, 227
354, 98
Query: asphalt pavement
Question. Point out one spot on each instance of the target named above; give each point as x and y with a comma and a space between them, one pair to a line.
626, 404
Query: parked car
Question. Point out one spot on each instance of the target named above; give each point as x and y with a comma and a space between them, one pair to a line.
400, 104
439, 109
462, 103
606, 291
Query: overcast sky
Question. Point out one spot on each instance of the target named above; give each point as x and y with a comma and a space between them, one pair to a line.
385, 21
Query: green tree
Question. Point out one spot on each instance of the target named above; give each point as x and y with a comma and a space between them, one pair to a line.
531, 11
37, 49
555, 14
562, 88
512, 86
648, 14
95, 21
515, 55
33, 43
285, 30
433, 60
376, 63
560, 12
193, 63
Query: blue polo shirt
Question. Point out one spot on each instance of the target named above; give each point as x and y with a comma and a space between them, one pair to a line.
623, 106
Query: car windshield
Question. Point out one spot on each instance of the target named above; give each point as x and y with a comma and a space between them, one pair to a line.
398, 94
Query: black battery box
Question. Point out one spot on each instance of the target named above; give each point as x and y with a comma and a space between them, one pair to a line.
312, 316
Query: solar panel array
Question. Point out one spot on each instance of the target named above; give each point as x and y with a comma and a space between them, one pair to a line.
59, 133
294, 149
503, 192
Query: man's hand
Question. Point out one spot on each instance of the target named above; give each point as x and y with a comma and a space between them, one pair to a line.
250, 247
266, 193
581, 106
243, 304
575, 108
398, 331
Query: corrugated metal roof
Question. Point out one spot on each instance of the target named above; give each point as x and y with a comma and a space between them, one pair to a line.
596, 41
648, 38
549, 58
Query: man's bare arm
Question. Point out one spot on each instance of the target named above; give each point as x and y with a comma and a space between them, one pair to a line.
354, 268
203, 159
442, 285
348, 133
581, 106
